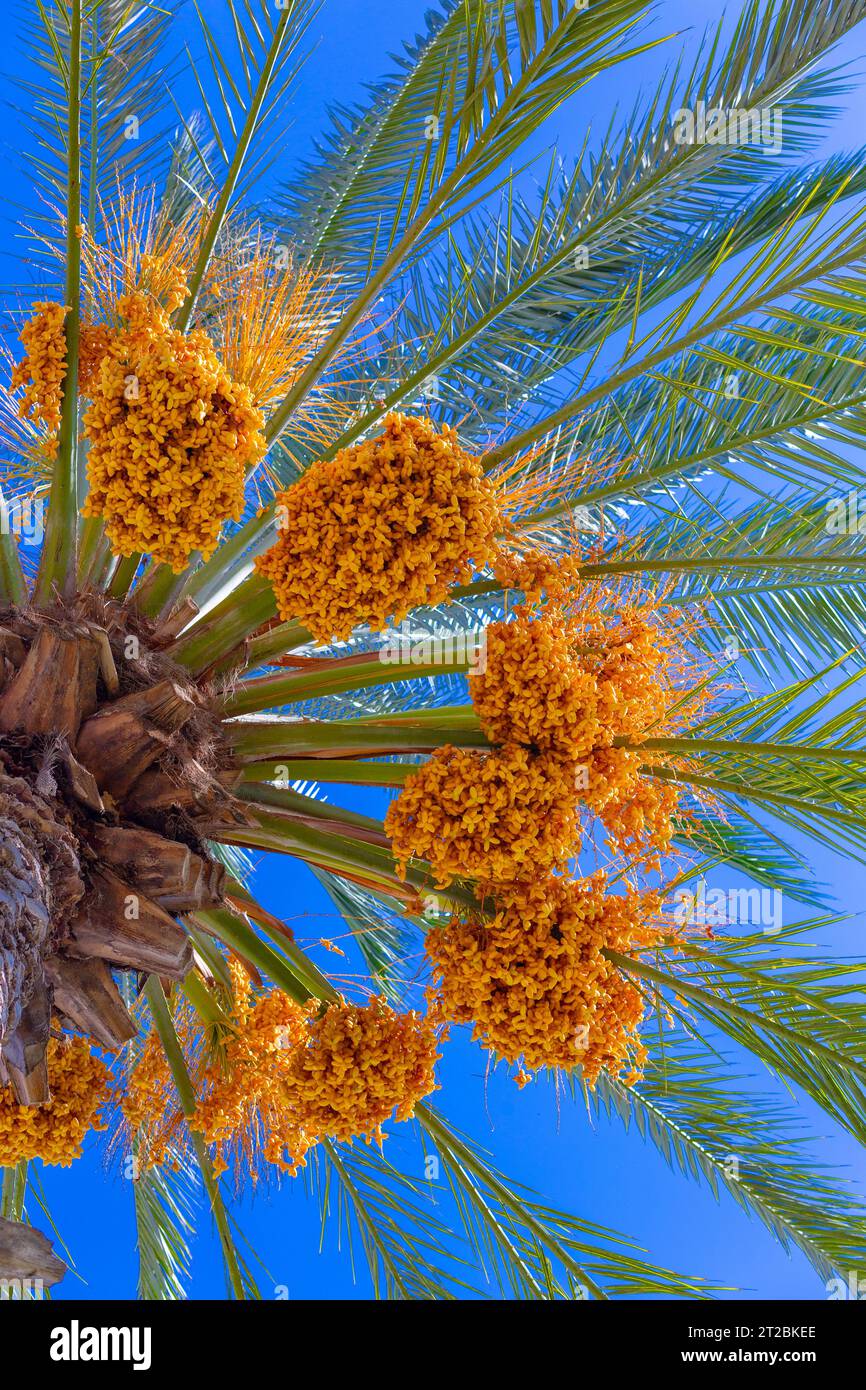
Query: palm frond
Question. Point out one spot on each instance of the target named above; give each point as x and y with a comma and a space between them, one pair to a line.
404, 1241
533, 1251
801, 1016
561, 276
516, 63
125, 108
267, 44
165, 1223
709, 1125
239, 1281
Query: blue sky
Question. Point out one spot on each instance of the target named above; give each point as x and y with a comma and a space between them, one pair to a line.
588, 1167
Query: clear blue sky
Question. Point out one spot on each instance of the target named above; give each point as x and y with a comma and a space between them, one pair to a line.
592, 1169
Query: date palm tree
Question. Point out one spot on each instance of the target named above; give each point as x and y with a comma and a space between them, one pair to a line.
659, 341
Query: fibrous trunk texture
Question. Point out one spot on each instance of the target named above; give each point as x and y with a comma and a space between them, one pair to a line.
105, 749
40, 883
26, 1255
93, 870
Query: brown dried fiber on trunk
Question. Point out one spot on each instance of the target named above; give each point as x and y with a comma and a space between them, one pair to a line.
26, 1254
106, 747
40, 884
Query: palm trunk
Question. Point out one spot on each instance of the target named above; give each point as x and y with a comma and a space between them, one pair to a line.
38, 882
91, 877
26, 1255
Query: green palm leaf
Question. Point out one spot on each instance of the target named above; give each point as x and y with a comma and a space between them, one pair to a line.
709, 1127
